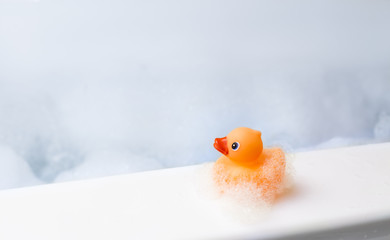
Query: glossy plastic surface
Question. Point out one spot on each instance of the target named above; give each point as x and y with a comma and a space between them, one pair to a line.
339, 193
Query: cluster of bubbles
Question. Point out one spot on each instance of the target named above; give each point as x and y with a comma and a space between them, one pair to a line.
243, 201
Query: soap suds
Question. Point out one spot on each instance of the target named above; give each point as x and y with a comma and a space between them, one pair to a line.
242, 202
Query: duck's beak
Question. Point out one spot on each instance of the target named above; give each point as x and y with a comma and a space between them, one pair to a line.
221, 145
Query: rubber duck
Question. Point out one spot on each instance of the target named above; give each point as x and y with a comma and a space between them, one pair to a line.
245, 163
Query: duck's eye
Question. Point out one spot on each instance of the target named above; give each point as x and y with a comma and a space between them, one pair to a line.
235, 146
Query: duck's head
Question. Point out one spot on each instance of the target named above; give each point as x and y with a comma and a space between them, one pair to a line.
242, 145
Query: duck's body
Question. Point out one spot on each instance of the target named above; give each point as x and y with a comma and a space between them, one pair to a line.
261, 169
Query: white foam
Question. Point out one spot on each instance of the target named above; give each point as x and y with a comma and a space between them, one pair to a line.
382, 127
242, 202
14, 171
106, 163
73, 87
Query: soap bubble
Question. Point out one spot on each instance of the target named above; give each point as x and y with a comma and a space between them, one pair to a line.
243, 201
14, 171
382, 127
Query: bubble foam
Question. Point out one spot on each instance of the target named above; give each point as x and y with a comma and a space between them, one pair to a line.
243, 201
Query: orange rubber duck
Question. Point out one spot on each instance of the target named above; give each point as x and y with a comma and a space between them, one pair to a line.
244, 162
